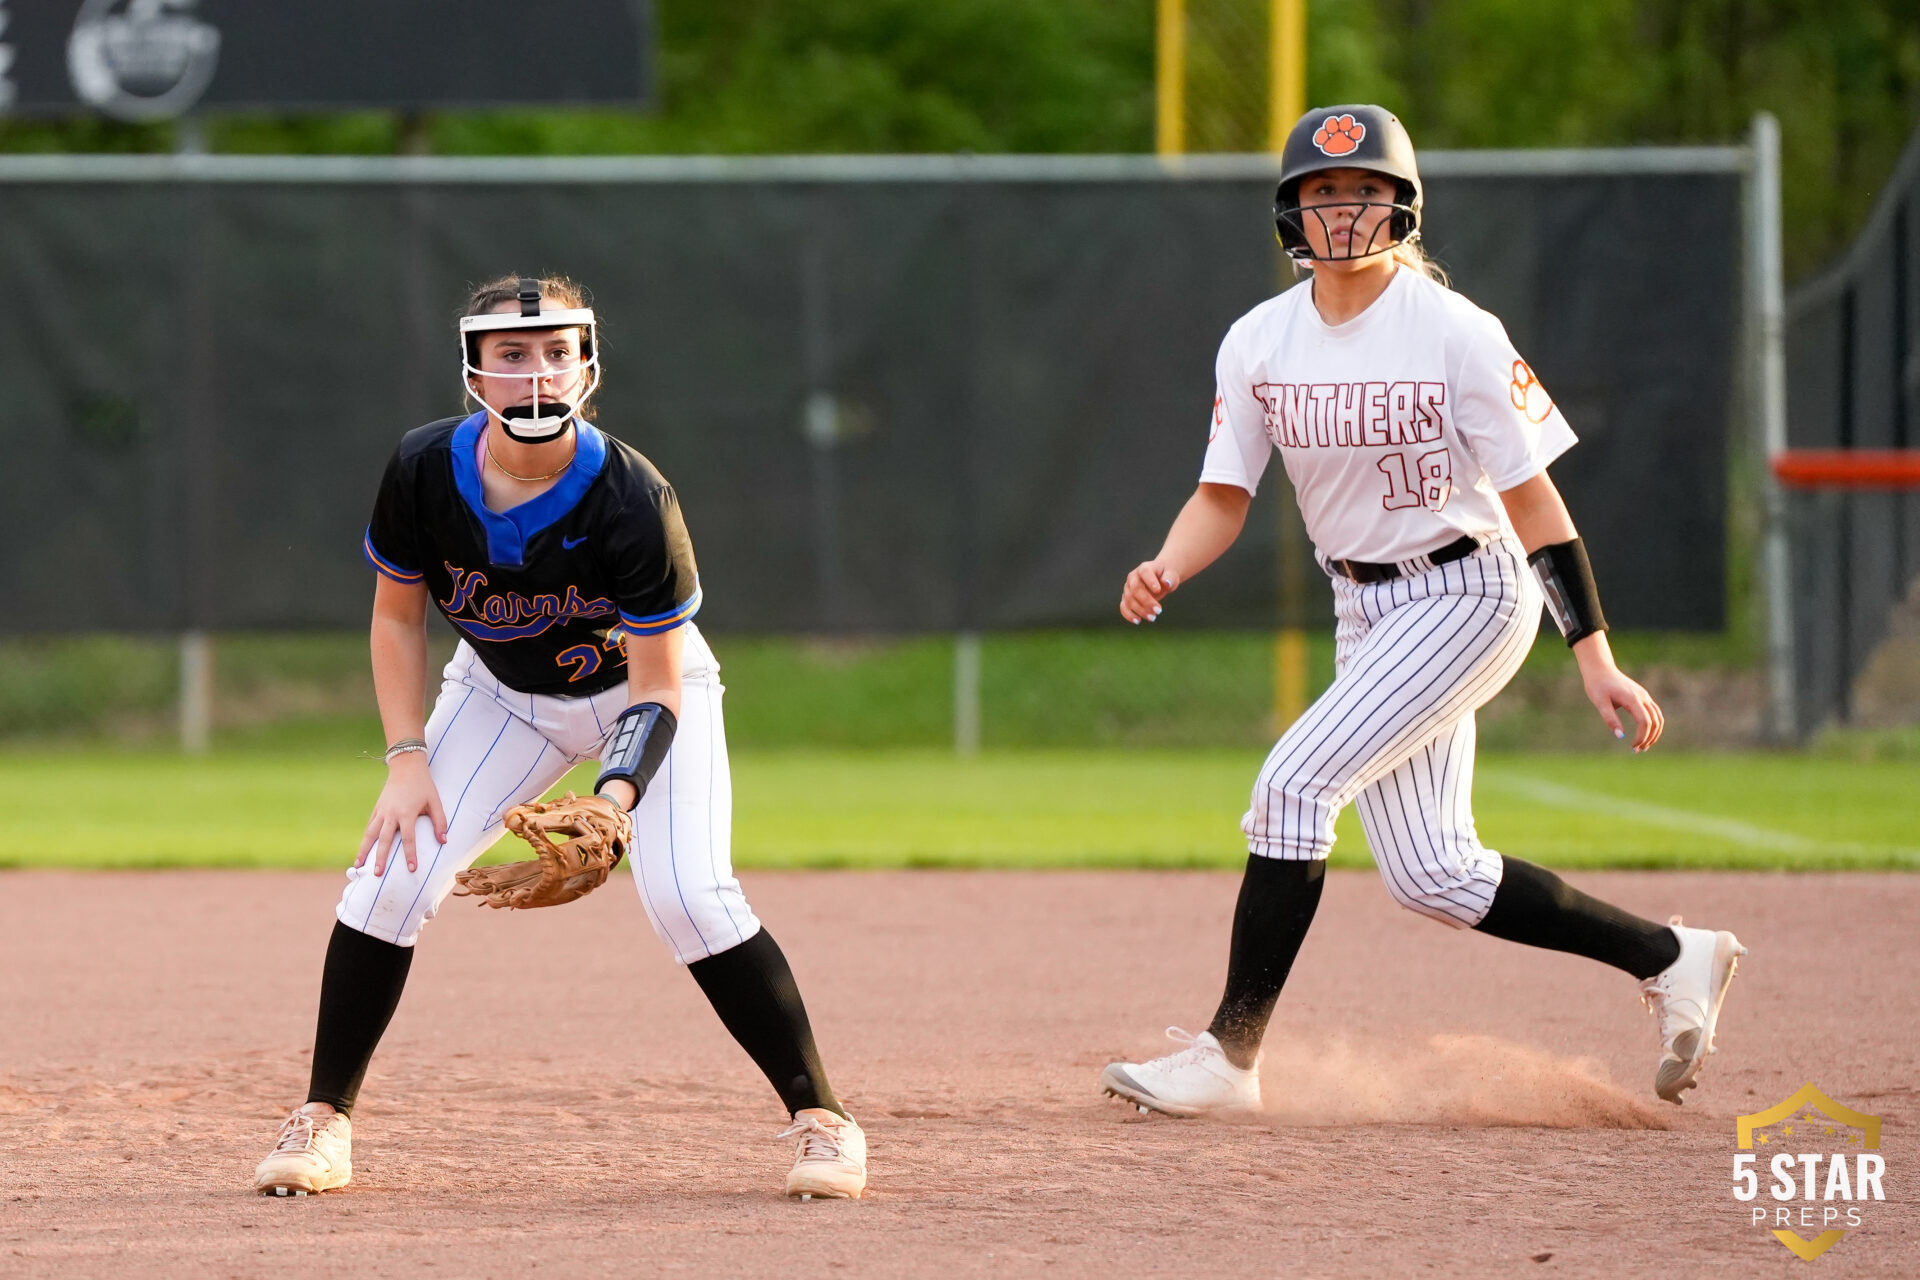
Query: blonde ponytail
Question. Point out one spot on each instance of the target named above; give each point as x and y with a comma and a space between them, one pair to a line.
1411, 255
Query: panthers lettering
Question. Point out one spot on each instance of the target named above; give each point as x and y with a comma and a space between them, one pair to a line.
1397, 429
1350, 415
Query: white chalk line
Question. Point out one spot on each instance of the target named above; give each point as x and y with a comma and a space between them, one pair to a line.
1704, 824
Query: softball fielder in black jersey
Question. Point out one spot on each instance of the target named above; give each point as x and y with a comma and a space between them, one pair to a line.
560, 556
1417, 442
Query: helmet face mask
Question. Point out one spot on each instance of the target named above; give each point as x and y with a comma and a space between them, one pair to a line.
541, 419
1347, 137
1401, 225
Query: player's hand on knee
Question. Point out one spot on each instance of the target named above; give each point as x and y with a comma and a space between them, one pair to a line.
1612, 690
1149, 584
408, 795
379, 835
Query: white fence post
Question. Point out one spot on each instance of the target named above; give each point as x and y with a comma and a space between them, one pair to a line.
196, 692
966, 693
1768, 329
196, 647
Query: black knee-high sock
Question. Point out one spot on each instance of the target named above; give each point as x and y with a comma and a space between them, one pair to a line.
1535, 906
359, 991
1277, 902
751, 987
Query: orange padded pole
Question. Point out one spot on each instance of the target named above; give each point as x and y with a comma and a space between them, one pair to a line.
1848, 468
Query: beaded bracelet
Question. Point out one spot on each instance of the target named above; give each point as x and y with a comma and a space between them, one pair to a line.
403, 746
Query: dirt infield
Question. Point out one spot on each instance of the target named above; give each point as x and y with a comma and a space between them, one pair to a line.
555, 1098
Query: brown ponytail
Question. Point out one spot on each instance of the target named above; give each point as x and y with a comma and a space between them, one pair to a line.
485, 297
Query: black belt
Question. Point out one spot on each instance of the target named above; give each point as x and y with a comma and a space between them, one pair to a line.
1364, 571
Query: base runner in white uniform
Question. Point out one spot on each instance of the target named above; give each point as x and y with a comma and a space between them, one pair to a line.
1417, 441
561, 557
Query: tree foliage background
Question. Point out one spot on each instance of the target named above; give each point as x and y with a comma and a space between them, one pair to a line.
740, 76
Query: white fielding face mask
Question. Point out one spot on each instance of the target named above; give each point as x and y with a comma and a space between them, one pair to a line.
540, 420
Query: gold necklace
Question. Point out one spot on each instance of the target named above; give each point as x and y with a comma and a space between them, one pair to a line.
488, 447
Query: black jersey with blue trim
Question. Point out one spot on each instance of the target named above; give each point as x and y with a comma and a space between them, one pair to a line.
544, 591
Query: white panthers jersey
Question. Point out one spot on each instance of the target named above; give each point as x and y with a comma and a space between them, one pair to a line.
1398, 428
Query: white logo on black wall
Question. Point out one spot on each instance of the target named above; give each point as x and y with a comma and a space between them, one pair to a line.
8, 92
141, 59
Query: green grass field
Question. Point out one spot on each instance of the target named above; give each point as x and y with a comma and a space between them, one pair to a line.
1106, 748
1032, 808
1112, 687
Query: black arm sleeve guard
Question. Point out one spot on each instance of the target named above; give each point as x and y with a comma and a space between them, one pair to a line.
640, 740
1572, 598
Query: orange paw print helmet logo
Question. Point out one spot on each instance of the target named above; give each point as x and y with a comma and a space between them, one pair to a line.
1339, 135
1528, 396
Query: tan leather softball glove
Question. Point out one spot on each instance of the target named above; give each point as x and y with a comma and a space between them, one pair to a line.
577, 843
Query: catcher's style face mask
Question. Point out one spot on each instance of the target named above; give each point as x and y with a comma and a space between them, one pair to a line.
539, 419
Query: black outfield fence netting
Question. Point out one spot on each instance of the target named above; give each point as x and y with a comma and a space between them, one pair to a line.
894, 395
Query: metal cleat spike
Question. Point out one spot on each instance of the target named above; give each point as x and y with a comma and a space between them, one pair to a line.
805, 1196
280, 1191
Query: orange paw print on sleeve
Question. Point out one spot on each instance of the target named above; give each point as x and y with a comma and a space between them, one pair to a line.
1339, 135
1528, 396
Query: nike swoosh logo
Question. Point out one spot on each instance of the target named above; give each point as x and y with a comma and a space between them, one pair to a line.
571, 543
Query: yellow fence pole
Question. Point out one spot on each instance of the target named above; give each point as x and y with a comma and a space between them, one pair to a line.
1170, 78
1287, 102
1287, 62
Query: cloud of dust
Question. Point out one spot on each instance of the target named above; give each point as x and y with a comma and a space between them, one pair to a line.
1470, 1080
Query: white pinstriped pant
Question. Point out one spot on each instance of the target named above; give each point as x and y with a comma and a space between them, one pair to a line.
1416, 657
490, 748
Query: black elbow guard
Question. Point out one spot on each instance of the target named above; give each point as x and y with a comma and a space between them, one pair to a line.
1572, 598
639, 743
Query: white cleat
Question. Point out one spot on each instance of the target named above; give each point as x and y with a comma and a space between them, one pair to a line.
832, 1159
312, 1154
1195, 1081
1686, 997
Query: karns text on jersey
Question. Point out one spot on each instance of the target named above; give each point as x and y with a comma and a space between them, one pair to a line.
1351, 415
512, 616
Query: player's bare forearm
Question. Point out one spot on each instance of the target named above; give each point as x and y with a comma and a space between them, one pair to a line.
1205, 527
653, 675
1538, 513
397, 641
1594, 655
653, 669
398, 645
1540, 519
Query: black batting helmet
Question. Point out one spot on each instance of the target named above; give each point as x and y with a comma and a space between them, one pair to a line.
1351, 137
